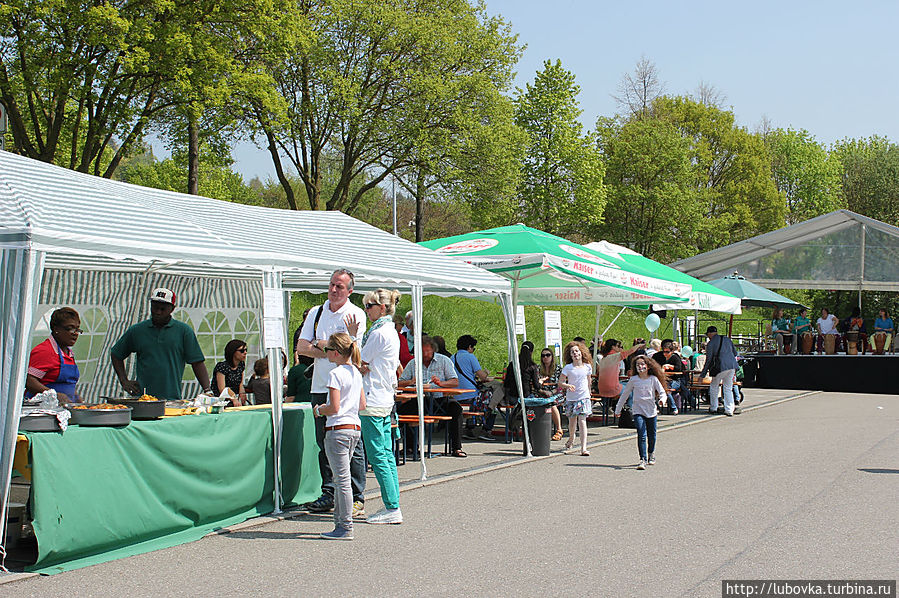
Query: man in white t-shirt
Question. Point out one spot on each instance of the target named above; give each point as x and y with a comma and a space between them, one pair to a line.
827, 324
335, 315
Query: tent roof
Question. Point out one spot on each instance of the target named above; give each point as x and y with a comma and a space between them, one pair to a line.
703, 295
839, 250
85, 222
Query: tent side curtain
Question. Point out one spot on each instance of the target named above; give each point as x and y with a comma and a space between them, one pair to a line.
20, 275
109, 302
840, 250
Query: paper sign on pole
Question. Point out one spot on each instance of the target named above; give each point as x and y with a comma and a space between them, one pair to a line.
273, 333
519, 322
273, 303
552, 325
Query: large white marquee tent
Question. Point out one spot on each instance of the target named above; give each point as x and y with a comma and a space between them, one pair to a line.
55, 222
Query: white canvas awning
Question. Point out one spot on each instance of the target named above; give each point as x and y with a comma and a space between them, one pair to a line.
841, 250
55, 218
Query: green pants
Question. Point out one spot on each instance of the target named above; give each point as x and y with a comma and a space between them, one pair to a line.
377, 436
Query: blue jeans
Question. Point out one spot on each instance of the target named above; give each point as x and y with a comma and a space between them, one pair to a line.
357, 463
646, 428
377, 435
681, 387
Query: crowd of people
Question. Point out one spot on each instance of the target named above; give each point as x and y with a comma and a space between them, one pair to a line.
351, 362
829, 334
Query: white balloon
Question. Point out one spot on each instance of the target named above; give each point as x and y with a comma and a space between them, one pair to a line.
652, 322
686, 351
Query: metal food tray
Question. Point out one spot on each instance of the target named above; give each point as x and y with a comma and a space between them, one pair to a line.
101, 417
38, 423
142, 410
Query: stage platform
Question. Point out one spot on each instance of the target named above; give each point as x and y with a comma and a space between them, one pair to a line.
834, 373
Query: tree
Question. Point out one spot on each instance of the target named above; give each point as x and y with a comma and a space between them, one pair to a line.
381, 85
82, 80
732, 173
652, 205
562, 174
805, 173
639, 89
870, 177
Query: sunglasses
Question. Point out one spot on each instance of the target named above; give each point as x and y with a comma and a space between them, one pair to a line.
72, 329
244, 350
546, 355
329, 349
371, 305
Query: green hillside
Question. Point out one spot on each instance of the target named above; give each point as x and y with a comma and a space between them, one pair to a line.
451, 317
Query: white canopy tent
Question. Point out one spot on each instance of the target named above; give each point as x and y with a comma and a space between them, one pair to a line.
54, 218
841, 250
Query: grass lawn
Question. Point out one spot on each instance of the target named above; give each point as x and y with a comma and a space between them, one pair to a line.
451, 317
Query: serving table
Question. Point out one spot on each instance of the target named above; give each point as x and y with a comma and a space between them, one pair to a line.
100, 494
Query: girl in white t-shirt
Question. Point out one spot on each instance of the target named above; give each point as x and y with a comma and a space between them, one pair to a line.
342, 428
575, 378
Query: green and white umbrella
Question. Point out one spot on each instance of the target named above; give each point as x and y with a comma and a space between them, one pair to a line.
550, 270
704, 296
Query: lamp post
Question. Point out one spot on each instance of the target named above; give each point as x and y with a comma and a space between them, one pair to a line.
2, 126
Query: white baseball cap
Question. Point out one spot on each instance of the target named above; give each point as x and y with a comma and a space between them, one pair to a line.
163, 295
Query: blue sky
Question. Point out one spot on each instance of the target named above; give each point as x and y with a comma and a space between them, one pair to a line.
831, 68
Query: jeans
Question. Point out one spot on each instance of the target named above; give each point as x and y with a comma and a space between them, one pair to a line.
727, 377
378, 438
646, 429
681, 387
339, 446
357, 463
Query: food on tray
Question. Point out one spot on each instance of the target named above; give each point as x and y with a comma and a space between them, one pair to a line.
146, 397
99, 406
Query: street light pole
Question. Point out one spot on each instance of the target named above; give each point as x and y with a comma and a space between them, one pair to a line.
393, 178
2, 126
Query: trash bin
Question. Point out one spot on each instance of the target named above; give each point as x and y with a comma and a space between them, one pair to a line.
539, 416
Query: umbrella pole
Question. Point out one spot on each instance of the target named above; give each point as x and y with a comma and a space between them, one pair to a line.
730, 326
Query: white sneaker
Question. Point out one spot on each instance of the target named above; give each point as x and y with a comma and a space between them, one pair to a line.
386, 517
642, 464
358, 510
652, 459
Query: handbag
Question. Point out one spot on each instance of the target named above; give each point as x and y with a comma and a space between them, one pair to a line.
715, 364
626, 419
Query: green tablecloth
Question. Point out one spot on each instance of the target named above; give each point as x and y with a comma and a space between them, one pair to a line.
105, 493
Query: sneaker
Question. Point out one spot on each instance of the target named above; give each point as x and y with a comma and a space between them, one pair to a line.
737, 411
338, 533
486, 437
641, 465
386, 517
675, 412
729, 413
468, 433
712, 412
358, 510
322, 504
652, 459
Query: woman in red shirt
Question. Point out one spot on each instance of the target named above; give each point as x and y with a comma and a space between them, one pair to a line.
52, 363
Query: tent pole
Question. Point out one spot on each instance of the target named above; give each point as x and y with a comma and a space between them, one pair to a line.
615, 319
861, 279
417, 314
596, 330
271, 280
22, 270
509, 310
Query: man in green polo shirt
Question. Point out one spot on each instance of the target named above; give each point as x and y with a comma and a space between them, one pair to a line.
163, 346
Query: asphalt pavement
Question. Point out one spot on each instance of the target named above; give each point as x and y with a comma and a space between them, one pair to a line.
800, 489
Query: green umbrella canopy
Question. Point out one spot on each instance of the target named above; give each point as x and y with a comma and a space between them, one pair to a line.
703, 296
751, 294
550, 270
